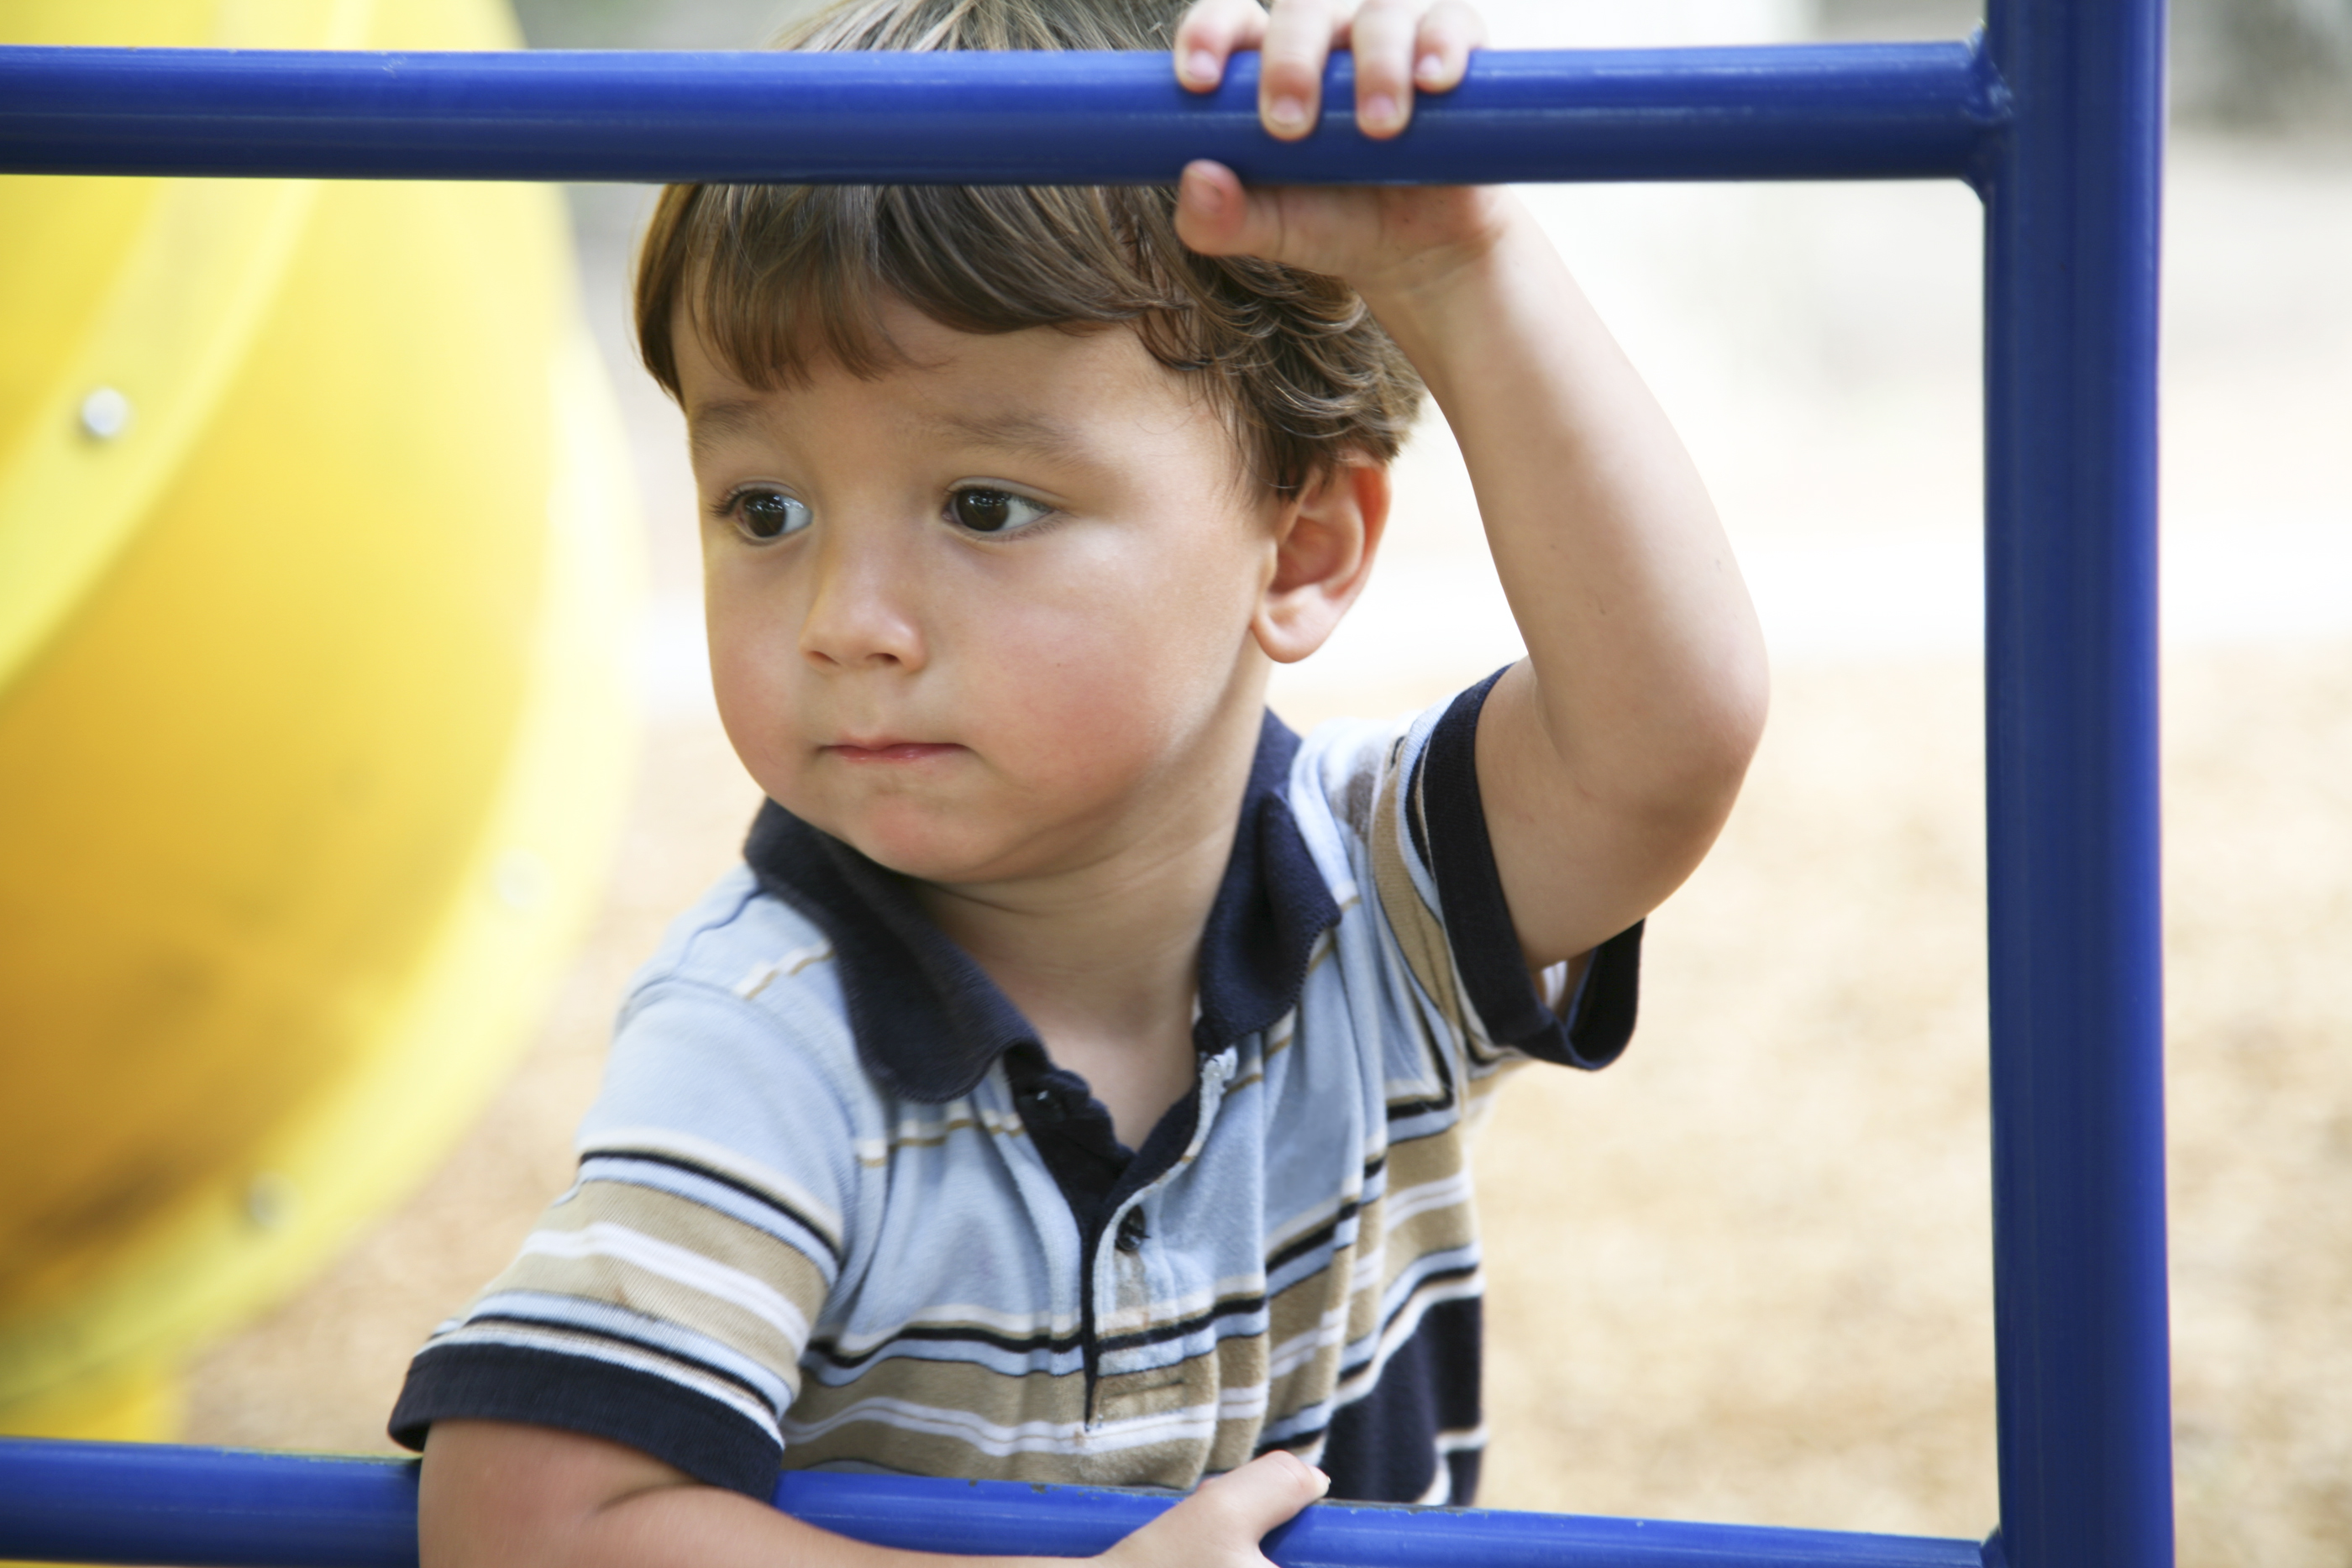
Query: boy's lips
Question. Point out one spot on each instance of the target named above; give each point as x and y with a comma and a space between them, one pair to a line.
887, 750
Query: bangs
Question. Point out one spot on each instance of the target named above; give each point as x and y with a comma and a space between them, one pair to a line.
775, 279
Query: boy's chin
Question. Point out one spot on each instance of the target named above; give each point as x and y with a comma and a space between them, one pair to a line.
919, 845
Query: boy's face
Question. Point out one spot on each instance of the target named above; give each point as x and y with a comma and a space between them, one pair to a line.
988, 616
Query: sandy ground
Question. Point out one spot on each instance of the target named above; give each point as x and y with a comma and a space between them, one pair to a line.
1744, 1275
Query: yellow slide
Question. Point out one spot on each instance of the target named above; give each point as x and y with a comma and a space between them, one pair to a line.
315, 578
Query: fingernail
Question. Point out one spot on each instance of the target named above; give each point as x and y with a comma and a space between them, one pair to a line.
1428, 67
1205, 197
1381, 110
1201, 66
1290, 113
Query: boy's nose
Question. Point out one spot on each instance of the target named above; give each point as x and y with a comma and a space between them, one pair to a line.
860, 613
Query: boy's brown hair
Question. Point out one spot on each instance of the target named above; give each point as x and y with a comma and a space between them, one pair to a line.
775, 277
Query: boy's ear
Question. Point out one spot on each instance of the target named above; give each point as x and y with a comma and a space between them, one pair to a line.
1326, 537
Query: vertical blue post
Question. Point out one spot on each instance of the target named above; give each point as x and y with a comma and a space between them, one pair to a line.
2072, 195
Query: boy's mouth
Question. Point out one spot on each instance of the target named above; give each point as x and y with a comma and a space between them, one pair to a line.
889, 751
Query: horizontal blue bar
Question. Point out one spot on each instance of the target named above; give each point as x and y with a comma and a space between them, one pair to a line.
990, 1517
1796, 112
221, 1508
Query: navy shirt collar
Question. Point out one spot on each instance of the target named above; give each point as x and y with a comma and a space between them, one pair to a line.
929, 1023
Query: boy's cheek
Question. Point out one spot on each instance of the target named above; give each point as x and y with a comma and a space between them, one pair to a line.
754, 709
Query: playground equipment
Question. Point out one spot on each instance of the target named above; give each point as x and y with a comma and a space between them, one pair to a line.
2054, 117
312, 726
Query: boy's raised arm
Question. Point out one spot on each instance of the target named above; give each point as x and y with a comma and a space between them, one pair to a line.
1608, 758
495, 1494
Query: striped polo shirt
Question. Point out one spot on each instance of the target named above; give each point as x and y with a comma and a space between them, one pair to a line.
837, 1208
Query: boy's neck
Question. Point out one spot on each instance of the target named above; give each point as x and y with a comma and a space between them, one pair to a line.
1103, 958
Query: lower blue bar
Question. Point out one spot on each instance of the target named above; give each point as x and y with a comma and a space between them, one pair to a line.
987, 1516
223, 1507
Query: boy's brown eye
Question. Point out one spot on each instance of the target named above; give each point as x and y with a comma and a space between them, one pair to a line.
993, 511
767, 514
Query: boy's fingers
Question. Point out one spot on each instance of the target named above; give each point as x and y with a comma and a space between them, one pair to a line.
1383, 36
1244, 1504
1224, 1521
1208, 36
1291, 79
1442, 51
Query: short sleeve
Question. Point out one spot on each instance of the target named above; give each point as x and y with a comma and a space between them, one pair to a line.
664, 1301
1410, 797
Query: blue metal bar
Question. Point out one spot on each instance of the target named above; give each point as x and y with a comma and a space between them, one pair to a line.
986, 1517
220, 1507
2071, 730
1844, 111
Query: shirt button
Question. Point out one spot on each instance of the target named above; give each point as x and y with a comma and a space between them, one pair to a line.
1047, 1107
1132, 1230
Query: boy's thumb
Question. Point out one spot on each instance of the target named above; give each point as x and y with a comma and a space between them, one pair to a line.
1216, 215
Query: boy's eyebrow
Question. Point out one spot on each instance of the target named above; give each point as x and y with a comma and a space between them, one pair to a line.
707, 424
1033, 435
1027, 434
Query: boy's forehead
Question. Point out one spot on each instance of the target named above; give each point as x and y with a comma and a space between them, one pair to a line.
1041, 389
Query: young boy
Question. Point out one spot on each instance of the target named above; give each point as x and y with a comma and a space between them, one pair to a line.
1071, 1084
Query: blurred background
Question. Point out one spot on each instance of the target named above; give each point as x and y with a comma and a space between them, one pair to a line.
1744, 1274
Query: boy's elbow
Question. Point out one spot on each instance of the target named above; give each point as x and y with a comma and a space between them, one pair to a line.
1724, 740
1722, 728
1739, 694
1676, 799
1682, 778
1743, 705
